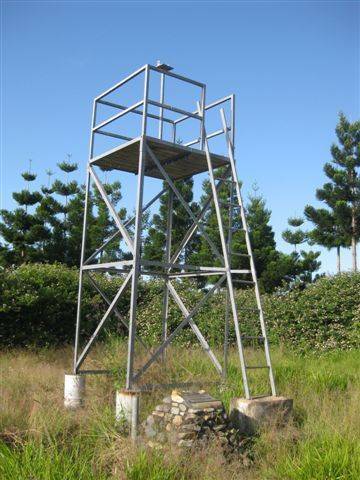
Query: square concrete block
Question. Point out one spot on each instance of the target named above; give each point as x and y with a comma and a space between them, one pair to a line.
248, 415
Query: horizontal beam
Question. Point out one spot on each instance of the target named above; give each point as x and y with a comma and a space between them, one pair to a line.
207, 107
118, 115
211, 135
122, 82
138, 112
96, 266
174, 109
114, 135
158, 263
175, 75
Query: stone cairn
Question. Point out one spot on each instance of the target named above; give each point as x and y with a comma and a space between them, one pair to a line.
188, 417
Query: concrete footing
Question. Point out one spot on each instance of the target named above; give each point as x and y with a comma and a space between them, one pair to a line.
74, 391
249, 415
127, 408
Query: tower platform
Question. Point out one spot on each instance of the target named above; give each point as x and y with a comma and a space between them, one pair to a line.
178, 160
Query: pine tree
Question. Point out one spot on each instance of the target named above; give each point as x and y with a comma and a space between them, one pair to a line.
304, 263
342, 192
23, 232
203, 254
295, 236
261, 233
327, 232
67, 190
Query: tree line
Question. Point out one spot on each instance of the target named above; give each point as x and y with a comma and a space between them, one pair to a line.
46, 225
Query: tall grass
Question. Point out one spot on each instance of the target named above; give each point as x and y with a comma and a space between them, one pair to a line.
42, 441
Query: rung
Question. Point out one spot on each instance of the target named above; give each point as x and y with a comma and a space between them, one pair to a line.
226, 179
248, 282
252, 337
256, 366
239, 254
227, 204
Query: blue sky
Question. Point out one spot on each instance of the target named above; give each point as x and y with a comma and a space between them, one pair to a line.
292, 65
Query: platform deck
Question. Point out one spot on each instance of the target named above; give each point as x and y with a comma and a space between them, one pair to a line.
178, 161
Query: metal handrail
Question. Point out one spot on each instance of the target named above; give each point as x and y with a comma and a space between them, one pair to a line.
174, 109
139, 112
118, 115
207, 107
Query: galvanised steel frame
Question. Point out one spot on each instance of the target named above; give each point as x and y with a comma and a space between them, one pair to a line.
170, 268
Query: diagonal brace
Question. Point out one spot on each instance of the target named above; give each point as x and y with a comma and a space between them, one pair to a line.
126, 224
195, 328
194, 226
116, 311
177, 330
108, 312
184, 204
112, 210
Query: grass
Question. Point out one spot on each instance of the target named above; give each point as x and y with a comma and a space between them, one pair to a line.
42, 441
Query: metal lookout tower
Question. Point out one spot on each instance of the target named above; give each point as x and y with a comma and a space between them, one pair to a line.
154, 151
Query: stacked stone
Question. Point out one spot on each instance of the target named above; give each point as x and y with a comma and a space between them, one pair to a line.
186, 417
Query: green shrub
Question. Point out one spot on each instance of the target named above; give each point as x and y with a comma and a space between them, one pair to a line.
38, 306
324, 316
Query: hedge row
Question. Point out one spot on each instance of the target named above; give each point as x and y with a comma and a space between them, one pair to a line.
38, 307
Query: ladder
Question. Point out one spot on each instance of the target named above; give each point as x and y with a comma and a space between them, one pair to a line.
236, 208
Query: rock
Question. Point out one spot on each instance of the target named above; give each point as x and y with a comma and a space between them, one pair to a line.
190, 416
175, 397
185, 418
158, 414
192, 427
150, 431
163, 408
186, 435
177, 420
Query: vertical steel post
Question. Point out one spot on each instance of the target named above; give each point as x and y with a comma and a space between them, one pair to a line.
165, 312
227, 301
161, 110
230, 224
201, 109
137, 239
232, 121
83, 241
